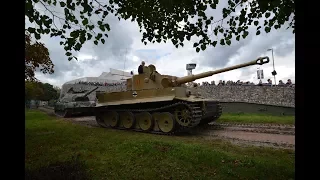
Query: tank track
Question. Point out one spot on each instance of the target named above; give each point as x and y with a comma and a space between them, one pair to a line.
212, 119
193, 107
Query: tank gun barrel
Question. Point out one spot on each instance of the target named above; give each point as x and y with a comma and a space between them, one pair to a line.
86, 94
190, 78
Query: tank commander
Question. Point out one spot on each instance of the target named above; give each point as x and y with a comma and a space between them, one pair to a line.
140, 69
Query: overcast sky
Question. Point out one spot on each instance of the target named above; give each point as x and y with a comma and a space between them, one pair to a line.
123, 50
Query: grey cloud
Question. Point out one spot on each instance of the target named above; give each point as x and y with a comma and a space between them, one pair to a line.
284, 48
219, 56
59, 59
150, 56
281, 40
112, 54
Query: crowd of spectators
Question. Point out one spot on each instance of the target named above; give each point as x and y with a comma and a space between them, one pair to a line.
248, 83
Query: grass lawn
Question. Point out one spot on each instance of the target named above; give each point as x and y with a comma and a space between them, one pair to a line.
256, 118
61, 150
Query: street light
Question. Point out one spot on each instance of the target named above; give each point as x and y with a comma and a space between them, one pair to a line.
274, 73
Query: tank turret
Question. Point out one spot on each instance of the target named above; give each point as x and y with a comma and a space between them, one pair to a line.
84, 97
151, 79
75, 103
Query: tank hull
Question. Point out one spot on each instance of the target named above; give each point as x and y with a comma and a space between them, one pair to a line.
163, 111
73, 109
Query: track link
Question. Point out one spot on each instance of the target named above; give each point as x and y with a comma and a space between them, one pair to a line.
194, 108
215, 117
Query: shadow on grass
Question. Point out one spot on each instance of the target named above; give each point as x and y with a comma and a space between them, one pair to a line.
66, 170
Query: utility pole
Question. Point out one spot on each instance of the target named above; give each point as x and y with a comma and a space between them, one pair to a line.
274, 73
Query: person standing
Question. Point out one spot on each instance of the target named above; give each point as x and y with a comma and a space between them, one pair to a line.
140, 68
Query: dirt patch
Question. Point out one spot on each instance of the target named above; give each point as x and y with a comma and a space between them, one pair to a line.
258, 135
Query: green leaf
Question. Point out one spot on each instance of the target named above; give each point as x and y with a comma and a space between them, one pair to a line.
47, 31
90, 27
85, 21
102, 28
74, 34
267, 14
89, 36
61, 42
258, 32
228, 42
69, 58
222, 42
245, 34
99, 36
213, 6
238, 38
256, 23
221, 30
82, 39
103, 41
77, 47
267, 29
197, 49
214, 43
95, 42
37, 36
195, 44
203, 47
68, 53
31, 30
62, 4
107, 26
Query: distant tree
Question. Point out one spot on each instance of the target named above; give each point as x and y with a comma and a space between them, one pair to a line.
40, 91
36, 56
58, 89
48, 92
159, 20
33, 90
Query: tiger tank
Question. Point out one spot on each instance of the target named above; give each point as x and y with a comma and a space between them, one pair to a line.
73, 103
161, 104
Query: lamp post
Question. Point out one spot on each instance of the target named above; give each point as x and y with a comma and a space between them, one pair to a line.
274, 73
